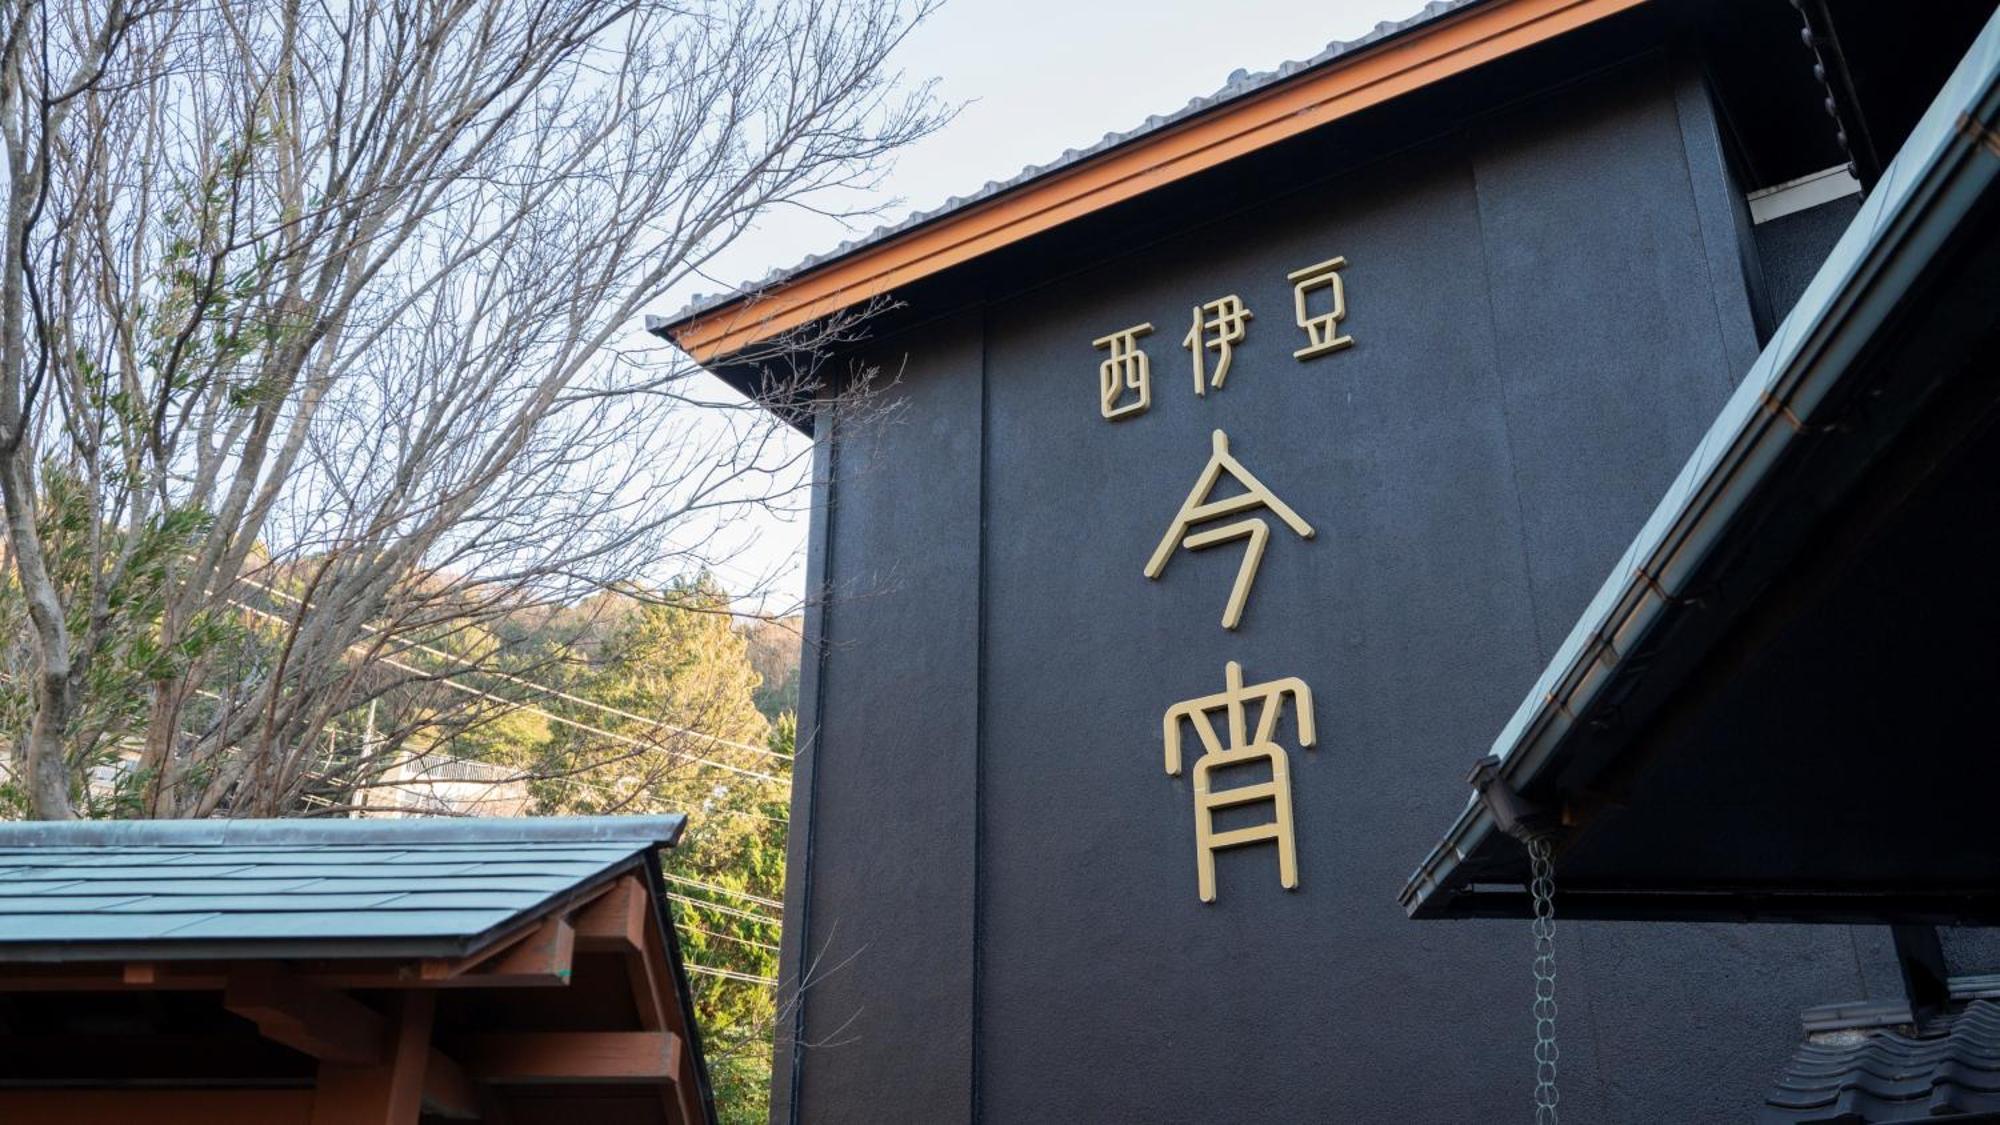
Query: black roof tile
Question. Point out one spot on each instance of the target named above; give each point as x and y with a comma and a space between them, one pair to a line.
1949, 1072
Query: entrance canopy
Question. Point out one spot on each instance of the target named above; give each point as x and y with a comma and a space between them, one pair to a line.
393, 971
1782, 702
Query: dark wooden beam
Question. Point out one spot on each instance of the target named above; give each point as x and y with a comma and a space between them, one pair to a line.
686, 1093
329, 1026
616, 922
181, 1059
570, 1056
531, 943
154, 1107
390, 1092
360, 973
109, 976
658, 1002
447, 1091
544, 957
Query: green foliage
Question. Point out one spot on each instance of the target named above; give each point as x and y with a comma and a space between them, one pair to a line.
114, 585
746, 853
671, 663
774, 652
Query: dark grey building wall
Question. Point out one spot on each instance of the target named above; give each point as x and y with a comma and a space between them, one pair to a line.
999, 901
1791, 248
884, 821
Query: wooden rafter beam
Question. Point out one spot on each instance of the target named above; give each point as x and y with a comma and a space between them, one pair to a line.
190, 1058
569, 1056
686, 1093
537, 930
327, 1025
658, 1004
389, 1092
616, 922
155, 1107
111, 976
448, 1092
546, 956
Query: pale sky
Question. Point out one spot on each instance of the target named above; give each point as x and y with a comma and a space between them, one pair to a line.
1037, 77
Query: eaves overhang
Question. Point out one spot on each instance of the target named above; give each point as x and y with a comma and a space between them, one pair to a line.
1445, 40
1828, 345
661, 830
82, 891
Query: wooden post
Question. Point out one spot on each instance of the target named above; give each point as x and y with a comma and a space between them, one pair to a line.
659, 1010
387, 1093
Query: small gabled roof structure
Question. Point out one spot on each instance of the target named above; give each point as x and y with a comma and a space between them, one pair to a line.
344, 970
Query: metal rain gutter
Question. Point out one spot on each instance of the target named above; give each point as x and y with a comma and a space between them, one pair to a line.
1951, 159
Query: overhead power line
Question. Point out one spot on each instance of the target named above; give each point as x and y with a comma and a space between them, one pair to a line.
543, 712
729, 937
729, 910
730, 974
758, 899
743, 812
544, 689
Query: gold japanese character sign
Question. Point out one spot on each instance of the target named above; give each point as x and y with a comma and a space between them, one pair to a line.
1124, 376
1219, 325
1322, 328
1125, 369
1242, 750
1216, 327
1198, 508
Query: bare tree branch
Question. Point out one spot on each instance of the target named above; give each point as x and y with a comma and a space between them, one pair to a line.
335, 308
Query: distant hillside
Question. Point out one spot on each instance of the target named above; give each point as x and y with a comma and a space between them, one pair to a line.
774, 652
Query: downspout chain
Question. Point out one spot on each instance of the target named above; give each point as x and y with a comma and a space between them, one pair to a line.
1535, 827
1542, 888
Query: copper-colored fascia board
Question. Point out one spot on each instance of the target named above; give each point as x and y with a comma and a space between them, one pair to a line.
1371, 76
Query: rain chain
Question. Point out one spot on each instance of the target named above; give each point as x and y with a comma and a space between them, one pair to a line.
1542, 887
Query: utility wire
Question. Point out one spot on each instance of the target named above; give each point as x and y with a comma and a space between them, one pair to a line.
729, 937
544, 689
758, 899
730, 974
546, 714
729, 910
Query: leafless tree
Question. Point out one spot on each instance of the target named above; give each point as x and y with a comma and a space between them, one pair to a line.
317, 344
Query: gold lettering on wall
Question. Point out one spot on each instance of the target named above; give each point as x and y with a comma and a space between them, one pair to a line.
1198, 508
1125, 369
1242, 750
1323, 328
1256, 808
1218, 325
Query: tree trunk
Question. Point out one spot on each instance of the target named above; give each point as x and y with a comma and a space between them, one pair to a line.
48, 772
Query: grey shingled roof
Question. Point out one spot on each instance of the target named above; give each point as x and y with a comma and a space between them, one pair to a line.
1950, 1073
167, 890
1241, 83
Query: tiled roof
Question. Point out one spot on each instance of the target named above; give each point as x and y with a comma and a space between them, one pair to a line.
1951, 1072
90, 890
1241, 83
